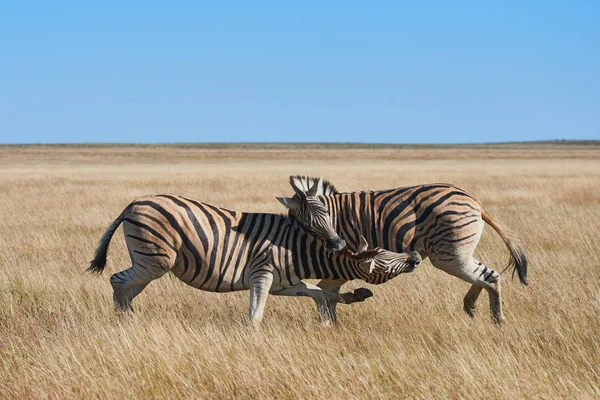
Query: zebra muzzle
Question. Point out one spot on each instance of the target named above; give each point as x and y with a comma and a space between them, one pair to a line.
413, 260
336, 245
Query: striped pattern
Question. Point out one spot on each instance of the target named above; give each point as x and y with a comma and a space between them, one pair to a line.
440, 221
219, 250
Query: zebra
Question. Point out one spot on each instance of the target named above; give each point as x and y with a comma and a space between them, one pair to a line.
218, 250
440, 221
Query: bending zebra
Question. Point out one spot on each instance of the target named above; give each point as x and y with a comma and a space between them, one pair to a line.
218, 250
440, 221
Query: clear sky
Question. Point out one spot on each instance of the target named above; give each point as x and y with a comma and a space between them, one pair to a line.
309, 71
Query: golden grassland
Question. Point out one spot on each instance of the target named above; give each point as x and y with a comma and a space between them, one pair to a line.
60, 338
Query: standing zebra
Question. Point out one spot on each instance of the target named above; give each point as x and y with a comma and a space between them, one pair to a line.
440, 221
218, 250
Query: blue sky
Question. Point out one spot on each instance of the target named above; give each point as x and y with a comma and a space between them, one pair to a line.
262, 71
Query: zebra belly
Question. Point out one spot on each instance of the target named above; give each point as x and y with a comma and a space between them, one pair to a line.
281, 281
220, 277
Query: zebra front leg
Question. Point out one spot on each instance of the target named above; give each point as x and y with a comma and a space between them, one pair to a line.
317, 294
260, 284
358, 296
333, 288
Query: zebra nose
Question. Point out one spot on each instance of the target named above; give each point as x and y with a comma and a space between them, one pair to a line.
336, 245
415, 258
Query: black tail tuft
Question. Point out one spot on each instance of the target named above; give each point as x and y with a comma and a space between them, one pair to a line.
518, 260
99, 262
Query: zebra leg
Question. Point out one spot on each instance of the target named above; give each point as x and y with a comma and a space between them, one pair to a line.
470, 300
260, 284
333, 287
490, 280
481, 277
317, 294
129, 283
332, 290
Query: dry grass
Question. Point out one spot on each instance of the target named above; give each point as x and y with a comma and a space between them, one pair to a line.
59, 336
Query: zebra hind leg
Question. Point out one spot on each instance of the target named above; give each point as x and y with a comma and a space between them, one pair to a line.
128, 284
487, 279
481, 277
470, 300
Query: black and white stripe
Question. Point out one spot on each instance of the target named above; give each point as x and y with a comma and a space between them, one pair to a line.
440, 221
219, 250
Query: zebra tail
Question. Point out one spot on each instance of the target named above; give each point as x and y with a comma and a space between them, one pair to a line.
518, 260
99, 262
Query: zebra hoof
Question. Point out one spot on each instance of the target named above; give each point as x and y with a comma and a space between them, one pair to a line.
359, 295
470, 310
363, 293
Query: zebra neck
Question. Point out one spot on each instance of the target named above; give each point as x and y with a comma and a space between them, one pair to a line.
354, 215
309, 258
339, 265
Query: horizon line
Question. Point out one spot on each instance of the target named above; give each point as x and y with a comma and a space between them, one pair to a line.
356, 144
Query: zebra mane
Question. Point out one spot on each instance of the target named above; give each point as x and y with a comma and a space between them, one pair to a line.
306, 182
363, 255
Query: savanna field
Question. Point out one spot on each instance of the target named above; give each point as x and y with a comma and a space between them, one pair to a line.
60, 337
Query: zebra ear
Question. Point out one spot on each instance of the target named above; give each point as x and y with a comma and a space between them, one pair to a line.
298, 186
368, 265
316, 188
363, 245
289, 202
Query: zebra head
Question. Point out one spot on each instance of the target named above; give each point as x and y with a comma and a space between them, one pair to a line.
383, 265
311, 213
